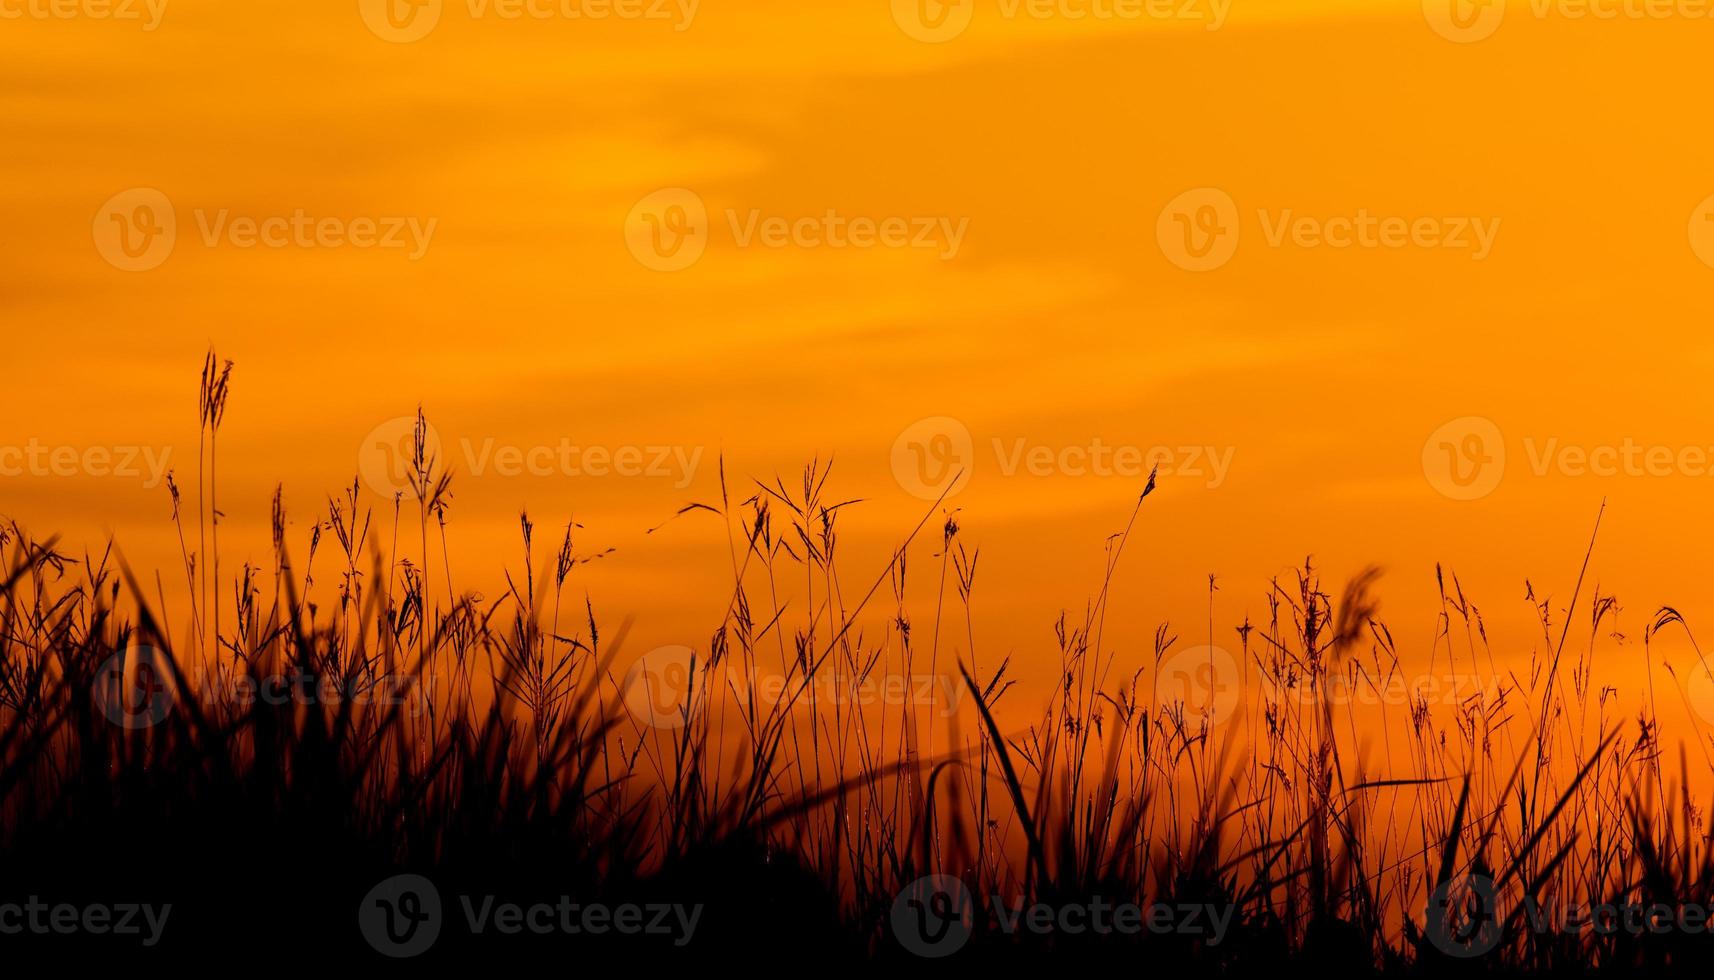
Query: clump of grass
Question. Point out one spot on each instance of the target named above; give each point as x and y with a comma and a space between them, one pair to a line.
487, 743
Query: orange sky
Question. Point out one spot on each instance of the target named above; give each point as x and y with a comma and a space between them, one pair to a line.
527, 156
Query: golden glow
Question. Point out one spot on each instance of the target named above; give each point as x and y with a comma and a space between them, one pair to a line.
1053, 142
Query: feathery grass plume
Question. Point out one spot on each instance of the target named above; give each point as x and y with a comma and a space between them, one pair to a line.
353, 730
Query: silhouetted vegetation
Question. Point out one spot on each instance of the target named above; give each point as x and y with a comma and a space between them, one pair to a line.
265, 759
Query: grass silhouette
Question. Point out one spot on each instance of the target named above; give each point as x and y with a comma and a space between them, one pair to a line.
493, 748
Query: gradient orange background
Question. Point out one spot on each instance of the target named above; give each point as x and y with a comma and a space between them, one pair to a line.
1060, 321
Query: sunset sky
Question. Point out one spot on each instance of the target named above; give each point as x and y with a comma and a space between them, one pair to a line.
1509, 228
